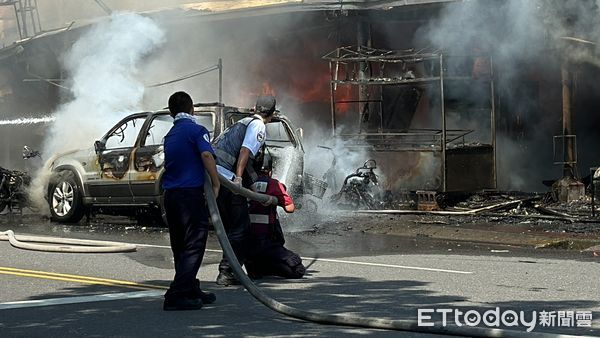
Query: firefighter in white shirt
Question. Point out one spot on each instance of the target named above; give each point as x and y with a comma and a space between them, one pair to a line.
236, 148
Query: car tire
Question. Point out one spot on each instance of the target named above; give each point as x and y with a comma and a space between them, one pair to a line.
64, 198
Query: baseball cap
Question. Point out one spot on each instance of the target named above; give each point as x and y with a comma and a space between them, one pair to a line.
265, 104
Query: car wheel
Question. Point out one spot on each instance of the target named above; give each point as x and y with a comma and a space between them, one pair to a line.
64, 198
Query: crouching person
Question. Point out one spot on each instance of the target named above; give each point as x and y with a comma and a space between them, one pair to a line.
267, 255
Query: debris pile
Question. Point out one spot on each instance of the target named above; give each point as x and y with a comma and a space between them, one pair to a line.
361, 191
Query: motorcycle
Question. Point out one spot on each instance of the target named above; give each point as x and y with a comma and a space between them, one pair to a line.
359, 188
14, 185
13, 189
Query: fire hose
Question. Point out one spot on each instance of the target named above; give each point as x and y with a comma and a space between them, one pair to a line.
73, 245
335, 319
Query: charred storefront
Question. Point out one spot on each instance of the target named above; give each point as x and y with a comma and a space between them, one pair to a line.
390, 86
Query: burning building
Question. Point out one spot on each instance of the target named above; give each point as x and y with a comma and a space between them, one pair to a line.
389, 88
446, 95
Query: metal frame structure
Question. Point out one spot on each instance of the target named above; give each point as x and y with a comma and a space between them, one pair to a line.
23, 10
344, 66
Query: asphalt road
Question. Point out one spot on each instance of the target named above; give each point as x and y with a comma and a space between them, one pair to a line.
50, 294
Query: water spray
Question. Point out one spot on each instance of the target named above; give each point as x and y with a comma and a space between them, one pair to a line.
23, 121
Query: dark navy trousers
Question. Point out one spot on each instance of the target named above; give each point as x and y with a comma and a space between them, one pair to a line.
187, 215
236, 220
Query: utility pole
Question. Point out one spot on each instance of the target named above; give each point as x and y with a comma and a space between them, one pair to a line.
363, 38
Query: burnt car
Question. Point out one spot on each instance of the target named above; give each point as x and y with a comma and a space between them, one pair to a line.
123, 169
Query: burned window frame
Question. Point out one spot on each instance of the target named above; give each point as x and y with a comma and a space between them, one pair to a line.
146, 131
143, 117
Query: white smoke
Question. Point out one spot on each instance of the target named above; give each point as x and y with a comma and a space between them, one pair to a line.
331, 159
511, 30
103, 67
524, 37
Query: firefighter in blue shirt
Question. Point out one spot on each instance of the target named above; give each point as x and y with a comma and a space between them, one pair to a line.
236, 148
188, 153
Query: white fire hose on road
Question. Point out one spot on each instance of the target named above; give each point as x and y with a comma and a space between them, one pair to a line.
65, 245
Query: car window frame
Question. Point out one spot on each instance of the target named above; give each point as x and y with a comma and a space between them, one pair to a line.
213, 117
290, 138
150, 118
146, 129
132, 117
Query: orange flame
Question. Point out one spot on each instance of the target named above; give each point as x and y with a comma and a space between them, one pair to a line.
267, 89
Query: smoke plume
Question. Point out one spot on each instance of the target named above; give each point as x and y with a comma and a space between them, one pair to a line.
102, 67
527, 40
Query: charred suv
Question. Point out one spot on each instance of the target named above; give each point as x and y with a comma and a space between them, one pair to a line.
123, 169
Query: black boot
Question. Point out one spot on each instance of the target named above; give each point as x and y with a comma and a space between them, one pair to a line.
226, 278
180, 304
205, 297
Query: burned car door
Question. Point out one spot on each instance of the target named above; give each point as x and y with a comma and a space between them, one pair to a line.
149, 157
114, 162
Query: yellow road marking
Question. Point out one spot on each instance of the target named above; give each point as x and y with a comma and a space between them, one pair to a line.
69, 280
77, 278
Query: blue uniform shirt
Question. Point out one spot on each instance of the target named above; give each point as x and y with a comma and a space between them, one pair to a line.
183, 145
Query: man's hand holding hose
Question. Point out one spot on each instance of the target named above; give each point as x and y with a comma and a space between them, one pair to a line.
238, 181
239, 171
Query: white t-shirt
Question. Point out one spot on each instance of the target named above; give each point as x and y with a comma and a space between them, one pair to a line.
256, 134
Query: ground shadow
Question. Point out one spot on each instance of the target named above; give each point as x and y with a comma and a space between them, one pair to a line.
236, 313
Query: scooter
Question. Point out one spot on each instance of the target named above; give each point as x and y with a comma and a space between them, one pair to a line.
14, 185
357, 189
